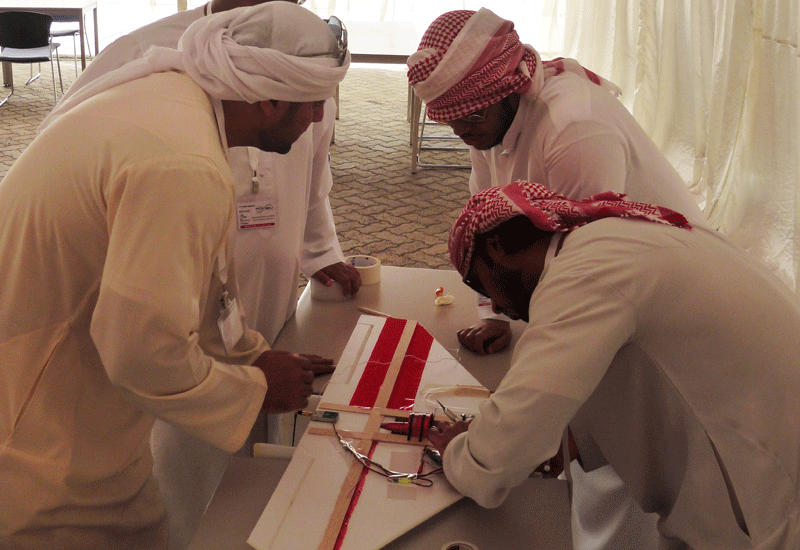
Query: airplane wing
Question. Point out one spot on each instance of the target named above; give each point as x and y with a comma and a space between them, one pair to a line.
391, 370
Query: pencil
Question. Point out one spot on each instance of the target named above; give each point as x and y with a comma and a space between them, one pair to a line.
373, 312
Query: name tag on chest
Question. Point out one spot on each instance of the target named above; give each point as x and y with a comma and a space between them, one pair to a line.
256, 213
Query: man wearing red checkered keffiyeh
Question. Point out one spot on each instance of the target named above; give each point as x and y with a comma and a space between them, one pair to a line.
553, 122
657, 349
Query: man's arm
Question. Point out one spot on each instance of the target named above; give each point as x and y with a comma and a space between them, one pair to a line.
320, 243
322, 257
168, 220
576, 327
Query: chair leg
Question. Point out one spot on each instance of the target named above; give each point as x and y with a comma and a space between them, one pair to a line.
60, 79
38, 74
75, 51
53, 74
2, 102
86, 35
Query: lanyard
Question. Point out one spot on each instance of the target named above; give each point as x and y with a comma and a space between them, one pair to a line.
252, 152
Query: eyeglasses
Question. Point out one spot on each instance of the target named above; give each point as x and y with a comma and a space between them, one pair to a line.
472, 280
475, 117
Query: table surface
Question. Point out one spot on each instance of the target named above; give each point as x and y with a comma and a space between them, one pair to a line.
47, 4
325, 328
381, 41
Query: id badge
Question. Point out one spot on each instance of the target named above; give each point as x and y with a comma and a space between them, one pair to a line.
483, 301
230, 323
255, 213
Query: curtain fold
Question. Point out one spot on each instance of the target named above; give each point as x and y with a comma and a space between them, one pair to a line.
717, 87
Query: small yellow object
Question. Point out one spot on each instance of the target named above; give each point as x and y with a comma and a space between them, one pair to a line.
445, 300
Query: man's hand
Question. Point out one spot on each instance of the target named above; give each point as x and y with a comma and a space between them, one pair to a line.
345, 274
486, 336
289, 379
443, 433
319, 365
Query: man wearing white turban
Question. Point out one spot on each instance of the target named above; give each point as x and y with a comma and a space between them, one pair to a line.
120, 296
299, 237
558, 124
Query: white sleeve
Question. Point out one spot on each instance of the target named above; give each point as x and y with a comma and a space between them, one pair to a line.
167, 220
320, 244
489, 460
576, 328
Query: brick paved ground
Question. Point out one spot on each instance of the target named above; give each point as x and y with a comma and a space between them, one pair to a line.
380, 208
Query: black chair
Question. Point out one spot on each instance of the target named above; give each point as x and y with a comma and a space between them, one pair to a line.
25, 38
67, 25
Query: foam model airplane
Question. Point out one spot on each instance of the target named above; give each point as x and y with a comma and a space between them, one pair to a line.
392, 374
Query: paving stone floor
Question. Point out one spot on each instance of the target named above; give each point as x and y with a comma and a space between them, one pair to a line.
379, 206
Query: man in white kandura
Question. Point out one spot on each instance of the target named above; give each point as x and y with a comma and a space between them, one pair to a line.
120, 290
667, 345
298, 236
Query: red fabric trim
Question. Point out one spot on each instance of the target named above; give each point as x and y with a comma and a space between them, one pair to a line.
407, 384
354, 501
369, 386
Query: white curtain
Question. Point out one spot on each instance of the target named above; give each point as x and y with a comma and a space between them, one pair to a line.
716, 84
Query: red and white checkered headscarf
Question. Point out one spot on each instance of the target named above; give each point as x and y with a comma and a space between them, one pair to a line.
548, 211
469, 60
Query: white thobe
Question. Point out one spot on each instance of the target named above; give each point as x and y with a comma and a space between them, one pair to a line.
269, 259
578, 140
678, 354
114, 249
303, 238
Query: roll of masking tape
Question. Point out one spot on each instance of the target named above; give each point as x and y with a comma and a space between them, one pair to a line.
324, 293
368, 267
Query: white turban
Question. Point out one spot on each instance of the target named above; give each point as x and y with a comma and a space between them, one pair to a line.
275, 50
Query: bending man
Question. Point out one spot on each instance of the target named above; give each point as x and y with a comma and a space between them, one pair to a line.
120, 289
664, 342
298, 235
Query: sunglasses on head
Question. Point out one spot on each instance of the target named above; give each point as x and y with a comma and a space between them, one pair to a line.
340, 32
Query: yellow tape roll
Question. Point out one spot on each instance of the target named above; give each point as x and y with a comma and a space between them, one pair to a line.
368, 267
